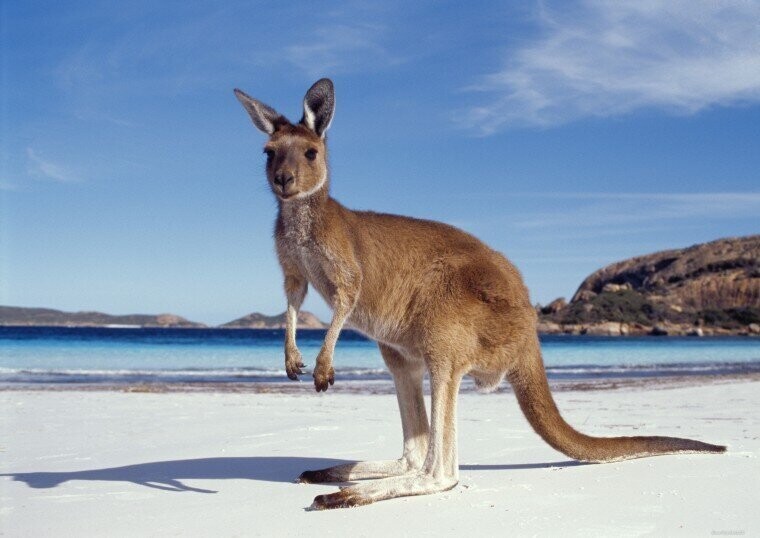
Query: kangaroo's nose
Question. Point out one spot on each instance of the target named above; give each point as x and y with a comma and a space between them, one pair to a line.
283, 179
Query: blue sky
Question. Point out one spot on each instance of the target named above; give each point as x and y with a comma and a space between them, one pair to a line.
567, 135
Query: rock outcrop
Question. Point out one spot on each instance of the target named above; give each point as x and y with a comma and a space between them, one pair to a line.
710, 288
721, 274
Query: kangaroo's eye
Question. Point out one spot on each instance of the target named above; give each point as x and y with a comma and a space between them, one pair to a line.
269, 153
311, 154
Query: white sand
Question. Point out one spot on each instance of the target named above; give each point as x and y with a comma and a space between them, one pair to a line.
222, 464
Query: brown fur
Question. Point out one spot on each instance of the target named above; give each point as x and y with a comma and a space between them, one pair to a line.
435, 298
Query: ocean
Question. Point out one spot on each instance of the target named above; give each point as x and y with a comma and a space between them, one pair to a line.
57, 355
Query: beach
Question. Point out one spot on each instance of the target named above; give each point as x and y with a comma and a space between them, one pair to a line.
133, 461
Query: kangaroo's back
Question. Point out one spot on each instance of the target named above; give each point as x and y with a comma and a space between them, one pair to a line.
420, 275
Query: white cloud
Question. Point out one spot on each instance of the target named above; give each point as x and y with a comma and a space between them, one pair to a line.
600, 58
195, 49
42, 168
615, 211
340, 47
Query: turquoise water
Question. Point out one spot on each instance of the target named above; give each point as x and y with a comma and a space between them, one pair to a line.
96, 355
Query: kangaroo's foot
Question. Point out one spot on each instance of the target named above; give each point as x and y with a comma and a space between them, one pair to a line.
361, 470
388, 488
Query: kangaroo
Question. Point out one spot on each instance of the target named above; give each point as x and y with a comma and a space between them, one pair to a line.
434, 298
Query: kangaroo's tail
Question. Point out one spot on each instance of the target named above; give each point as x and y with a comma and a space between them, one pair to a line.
535, 398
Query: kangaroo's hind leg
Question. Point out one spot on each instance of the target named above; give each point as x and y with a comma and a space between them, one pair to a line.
440, 472
407, 376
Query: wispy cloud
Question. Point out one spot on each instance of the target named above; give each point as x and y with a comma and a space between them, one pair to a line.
656, 196
606, 211
46, 169
88, 114
150, 58
601, 58
191, 52
8, 186
340, 48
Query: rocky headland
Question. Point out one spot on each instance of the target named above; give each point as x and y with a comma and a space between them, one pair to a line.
706, 289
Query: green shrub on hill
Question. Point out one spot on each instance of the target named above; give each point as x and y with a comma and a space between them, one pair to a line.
731, 318
626, 306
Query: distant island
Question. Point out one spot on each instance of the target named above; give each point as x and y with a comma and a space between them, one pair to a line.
706, 289
47, 317
306, 320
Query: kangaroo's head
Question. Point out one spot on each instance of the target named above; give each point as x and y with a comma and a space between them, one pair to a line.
296, 154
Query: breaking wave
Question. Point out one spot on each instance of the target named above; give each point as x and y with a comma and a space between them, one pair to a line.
264, 375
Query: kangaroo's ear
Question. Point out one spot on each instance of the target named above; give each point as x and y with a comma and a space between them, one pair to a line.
319, 106
265, 118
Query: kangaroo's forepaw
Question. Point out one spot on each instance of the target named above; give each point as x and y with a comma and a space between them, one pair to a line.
341, 499
323, 378
293, 364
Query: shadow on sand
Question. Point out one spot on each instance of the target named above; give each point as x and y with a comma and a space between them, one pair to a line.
167, 475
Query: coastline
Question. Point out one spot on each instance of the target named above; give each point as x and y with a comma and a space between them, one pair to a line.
545, 328
177, 360
384, 387
621, 329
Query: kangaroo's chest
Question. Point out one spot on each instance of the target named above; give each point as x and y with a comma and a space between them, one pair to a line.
310, 260
295, 237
